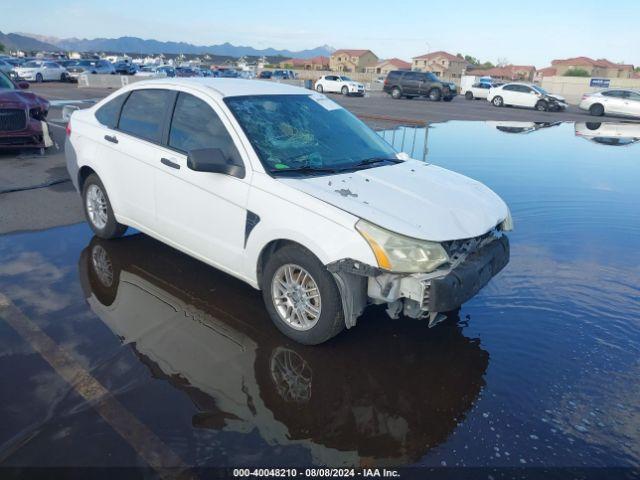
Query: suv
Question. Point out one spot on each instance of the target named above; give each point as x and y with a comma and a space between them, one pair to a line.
287, 191
409, 84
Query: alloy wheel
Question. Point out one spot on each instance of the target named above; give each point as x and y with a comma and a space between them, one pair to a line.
96, 204
296, 297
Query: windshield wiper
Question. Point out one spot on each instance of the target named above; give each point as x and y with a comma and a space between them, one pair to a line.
374, 161
305, 169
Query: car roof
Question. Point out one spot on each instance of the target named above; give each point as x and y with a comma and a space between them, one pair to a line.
227, 87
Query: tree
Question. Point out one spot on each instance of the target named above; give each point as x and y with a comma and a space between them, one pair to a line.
1, 47
576, 72
502, 62
637, 69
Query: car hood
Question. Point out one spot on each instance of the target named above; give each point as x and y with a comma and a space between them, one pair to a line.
355, 84
12, 98
412, 198
557, 97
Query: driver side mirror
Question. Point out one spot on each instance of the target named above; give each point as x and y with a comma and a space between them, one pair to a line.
213, 160
23, 85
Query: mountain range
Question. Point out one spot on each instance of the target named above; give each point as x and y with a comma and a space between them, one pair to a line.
29, 41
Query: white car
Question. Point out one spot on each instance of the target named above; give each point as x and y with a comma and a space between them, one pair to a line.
477, 90
525, 95
289, 192
616, 134
151, 72
613, 101
339, 84
41, 70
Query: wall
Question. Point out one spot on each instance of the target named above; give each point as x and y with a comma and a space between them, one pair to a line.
572, 88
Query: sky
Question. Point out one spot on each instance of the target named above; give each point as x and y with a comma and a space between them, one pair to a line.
523, 33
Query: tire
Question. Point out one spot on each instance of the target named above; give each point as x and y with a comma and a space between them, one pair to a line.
319, 88
345, 91
468, 96
435, 95
101, 218
447, 99
39, 78
542, 106
593, 125
63, 77
497, 101
396, 93
104, 272
596, 110
308, 331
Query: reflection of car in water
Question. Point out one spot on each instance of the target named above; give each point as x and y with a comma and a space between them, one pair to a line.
522, 127
609, 133
388, 401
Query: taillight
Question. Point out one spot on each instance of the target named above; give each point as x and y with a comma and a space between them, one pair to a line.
68, 129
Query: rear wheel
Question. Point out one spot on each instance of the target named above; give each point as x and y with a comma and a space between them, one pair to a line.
497, 101
435, 94
468, 96
596, 110
301, 296
542, 106
98, 210
319, 88
396, 93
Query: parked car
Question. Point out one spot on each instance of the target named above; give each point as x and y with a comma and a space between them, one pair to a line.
409, 84
22, 115
5, 66
125, 68
525, 95
478, 90
168, 70
618, 134
42, 70
266, 74
150, 71
615, 101
339, 84
187, 72
92, 67
289, 192
282, 74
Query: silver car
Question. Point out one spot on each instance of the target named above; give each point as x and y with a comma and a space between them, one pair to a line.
612, 101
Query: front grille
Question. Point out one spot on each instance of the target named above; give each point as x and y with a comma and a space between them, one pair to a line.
12, 119
459, 248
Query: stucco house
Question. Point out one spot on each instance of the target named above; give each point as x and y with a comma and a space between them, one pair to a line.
383, 67
596, 68
442, 64
350, 60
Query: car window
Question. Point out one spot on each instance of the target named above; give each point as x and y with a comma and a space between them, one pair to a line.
612, 93
510, 88
195, 125
412, 76
143, 113
50, 65
108, 114
634, 96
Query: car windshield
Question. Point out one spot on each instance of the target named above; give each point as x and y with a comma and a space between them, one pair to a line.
308, 132
432, 77
32, 64
5, 83
345, 79
539, 89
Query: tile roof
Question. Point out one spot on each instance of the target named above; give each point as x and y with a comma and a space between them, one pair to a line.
439, 53
351, 52
396, 62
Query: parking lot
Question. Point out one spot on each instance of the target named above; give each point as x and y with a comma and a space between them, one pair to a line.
175, 365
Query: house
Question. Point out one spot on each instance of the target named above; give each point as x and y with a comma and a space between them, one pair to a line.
314, 63
440, 63
595, 68
545, 72
383, 67
507, 73
348, 60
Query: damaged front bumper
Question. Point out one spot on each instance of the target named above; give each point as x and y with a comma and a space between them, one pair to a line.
419, 295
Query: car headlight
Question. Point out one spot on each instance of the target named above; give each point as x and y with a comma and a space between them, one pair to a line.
507, 223
397, 253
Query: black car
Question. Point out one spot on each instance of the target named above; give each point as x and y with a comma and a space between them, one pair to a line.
265, 74
410, 84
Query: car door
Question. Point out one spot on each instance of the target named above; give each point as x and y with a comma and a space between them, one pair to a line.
330, 83
203, 212
529, 97
411, 83
613, 101
51, 71
632, 104
131, 149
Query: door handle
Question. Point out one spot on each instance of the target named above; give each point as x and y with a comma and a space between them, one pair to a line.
111, 138
169, 163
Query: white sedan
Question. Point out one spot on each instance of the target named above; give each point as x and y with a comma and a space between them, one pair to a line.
477, 90
151, 72
339, 84
42, 70
287, 191
525, 95
613, 101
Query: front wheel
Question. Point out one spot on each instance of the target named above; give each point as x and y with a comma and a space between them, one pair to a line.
497, 102
345, 91
301, 296
468, 96
319, 88
39, 78
396, 93
98, 210
542, 106
435, 95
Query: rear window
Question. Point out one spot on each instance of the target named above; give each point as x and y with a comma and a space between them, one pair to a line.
143, 114
108, 114
393, 75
